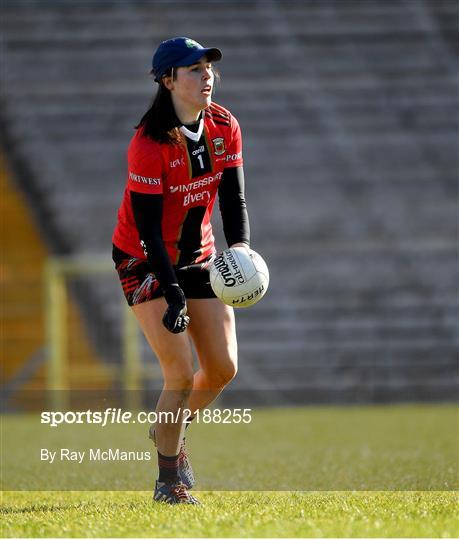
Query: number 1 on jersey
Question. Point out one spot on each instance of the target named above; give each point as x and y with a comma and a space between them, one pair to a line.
199, 156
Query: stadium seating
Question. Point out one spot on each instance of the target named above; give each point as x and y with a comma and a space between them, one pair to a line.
349, 116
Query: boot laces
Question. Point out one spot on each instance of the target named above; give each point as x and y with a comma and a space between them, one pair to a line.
180, 491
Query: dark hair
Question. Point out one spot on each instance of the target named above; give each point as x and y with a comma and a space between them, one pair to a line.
160, 122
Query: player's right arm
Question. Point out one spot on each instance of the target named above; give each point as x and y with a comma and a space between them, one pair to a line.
148, 210
145, 186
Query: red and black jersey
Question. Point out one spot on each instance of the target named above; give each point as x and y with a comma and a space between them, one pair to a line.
187, 175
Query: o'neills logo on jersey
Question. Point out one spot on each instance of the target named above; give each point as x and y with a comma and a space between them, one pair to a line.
144, 179
199, 150
219, 146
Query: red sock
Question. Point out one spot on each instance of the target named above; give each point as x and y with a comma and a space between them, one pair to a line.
168, 468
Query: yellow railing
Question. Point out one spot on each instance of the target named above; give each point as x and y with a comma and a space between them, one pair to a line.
57, 273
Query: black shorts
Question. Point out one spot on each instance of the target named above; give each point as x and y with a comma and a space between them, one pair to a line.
140, 284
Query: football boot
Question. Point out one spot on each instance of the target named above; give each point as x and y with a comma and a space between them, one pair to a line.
175, 493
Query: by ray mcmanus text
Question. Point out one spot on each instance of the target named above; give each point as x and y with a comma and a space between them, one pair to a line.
93, 454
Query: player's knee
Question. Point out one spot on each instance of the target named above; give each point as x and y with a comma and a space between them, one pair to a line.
230, 372
223, 374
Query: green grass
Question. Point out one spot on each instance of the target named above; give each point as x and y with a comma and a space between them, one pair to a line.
231, 514
373, 471
371, 448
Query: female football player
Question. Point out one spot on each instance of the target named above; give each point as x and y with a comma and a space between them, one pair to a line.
185, 151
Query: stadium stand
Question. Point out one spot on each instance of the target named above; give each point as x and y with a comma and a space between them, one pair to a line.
21, 283
22, 317
349, 114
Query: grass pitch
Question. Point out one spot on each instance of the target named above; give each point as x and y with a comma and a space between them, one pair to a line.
231, 514
343, 458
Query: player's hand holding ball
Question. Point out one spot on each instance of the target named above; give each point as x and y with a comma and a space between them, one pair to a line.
239, 276
175, 319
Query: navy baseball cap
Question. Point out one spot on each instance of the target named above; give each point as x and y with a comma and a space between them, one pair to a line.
179, 52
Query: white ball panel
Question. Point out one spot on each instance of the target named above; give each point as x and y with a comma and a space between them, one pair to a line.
239, 277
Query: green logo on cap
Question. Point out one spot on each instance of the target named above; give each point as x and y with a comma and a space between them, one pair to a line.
191, 43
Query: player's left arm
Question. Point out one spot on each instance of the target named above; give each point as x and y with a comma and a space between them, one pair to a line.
233, 207
231, 194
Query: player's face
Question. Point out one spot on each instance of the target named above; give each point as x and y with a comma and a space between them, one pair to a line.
192, 87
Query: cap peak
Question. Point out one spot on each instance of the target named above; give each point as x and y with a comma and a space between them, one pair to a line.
178, 52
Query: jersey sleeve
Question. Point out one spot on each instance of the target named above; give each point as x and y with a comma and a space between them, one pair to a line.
233, 207
145, 169
148, 210
234, 151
